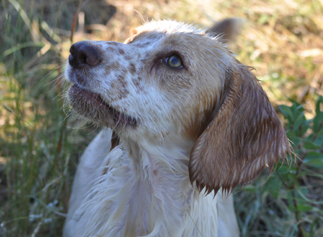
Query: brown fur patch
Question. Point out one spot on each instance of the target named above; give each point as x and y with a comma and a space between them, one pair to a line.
139, 86
120, 78
112, 67
132, 69
111, 49
121, 51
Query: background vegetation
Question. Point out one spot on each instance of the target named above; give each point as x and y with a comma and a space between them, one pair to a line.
40, 143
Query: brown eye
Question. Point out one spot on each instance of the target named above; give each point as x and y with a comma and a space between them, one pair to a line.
174, 61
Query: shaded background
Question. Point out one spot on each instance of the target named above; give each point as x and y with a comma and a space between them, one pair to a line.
40, 143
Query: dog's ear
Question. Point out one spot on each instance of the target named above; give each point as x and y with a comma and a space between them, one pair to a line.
244, 136
228, 29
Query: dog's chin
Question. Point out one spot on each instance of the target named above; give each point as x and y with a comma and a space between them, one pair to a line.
91, 106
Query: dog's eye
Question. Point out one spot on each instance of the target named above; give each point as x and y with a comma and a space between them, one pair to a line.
174, 61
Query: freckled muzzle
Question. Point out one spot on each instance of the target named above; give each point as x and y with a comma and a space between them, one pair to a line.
92, 106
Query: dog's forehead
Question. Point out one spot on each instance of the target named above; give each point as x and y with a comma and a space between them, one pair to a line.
155, 30
167, 26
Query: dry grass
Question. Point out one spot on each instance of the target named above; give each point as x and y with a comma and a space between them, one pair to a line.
40, 145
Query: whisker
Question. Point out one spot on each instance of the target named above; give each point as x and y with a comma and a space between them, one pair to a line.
50, 72
60, 95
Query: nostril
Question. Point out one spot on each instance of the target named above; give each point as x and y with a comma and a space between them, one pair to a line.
83, 54
82, 58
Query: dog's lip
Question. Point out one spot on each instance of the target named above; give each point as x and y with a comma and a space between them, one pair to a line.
97, 100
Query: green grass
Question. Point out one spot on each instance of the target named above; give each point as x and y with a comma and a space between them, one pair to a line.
40, 143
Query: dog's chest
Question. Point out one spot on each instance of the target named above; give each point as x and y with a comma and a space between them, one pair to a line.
147, 201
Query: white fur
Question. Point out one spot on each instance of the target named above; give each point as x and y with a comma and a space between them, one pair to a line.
129, 200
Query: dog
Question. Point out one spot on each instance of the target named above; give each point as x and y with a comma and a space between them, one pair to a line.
184, 124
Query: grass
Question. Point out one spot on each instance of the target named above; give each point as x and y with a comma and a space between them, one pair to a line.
40, 144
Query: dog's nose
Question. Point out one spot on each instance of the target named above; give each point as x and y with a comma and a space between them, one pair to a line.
83, 54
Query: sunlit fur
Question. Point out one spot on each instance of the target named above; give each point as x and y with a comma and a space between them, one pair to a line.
203, 127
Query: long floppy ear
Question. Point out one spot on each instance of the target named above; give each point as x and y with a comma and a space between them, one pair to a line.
244, 137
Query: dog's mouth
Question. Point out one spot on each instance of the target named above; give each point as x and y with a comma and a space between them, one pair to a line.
91, 105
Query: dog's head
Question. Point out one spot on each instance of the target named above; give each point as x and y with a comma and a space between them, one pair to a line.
170, 78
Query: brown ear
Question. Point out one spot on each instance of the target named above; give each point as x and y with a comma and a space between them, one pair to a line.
228, 29
244, 137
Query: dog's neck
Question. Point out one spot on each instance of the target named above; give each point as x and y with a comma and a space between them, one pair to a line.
147, 190
162, 179
154, 159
